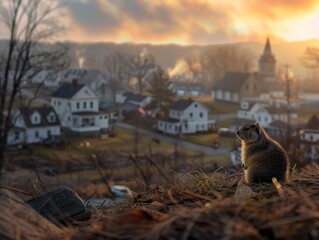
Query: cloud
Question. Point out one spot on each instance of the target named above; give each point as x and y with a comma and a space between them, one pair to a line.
183, 21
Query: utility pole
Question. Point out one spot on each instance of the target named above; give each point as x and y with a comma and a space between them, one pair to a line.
287, 78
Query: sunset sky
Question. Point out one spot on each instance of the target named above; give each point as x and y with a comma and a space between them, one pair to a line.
190, 21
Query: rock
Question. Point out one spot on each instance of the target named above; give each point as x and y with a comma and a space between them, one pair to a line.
62, 205
19, 221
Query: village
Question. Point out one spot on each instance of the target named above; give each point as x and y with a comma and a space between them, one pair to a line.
82, 108
159, 119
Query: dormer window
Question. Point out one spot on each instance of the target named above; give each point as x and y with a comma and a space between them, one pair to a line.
51, 117
35, 118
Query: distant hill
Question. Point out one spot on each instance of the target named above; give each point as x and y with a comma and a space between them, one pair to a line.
167, 55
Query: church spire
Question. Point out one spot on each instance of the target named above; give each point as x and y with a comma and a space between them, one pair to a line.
267, 50
267, 62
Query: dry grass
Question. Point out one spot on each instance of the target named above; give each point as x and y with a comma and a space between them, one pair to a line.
197, 206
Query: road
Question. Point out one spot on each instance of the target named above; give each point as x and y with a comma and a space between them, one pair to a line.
172, 140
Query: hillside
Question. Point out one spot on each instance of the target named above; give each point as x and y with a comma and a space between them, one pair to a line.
198, 206
167, 55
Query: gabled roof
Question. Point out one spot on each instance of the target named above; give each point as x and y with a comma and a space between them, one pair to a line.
67, 90
44, 112
181, 104
313, 123
278, 110
136, 97
269, 86
130, 96
232, 81
170, 120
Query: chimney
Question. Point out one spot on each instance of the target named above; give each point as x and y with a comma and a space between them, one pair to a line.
74, 82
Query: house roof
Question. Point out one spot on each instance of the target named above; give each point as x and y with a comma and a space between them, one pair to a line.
90, 76
67, 90
136, 97
278, 110
26, 114
87, 113
232, 81
170, 120
313, 122
182, 104
269, 86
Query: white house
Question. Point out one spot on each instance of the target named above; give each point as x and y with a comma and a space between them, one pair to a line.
309, 95
95, 79
33, 125
186, 116
264, 113
77, 106
47, 78
309, 138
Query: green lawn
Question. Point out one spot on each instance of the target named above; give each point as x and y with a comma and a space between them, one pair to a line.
206, 139
226, 123
82, 148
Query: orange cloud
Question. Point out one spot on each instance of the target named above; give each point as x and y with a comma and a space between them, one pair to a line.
191, 21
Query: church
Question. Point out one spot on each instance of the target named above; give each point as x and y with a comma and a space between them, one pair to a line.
263, 84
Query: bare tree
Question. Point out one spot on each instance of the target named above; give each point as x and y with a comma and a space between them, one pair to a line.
310, 58
140, 67
31, 26
216, 61
116, 69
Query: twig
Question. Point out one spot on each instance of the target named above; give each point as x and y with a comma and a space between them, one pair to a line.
158, 169
139, 169
102, 175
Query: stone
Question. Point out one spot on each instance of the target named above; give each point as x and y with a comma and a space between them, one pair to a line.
62, 205
19, 221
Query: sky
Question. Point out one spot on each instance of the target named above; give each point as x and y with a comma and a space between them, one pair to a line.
187, 22
191, 21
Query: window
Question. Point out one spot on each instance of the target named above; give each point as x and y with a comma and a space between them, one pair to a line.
84, 105
69, 104
51, 117
49, 133
35, 119
69, 118
105, 116
77, 105
91, 104
191, 114
195, 105
311, 138
59, 103
36, 134
101, 117
16, 135
266, 119
201, 115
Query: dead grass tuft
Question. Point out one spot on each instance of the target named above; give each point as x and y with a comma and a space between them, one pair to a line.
195, 205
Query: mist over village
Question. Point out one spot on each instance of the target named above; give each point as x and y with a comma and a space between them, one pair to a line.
159, 119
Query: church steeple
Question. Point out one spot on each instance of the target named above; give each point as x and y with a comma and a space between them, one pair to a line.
267, 50
267, 62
